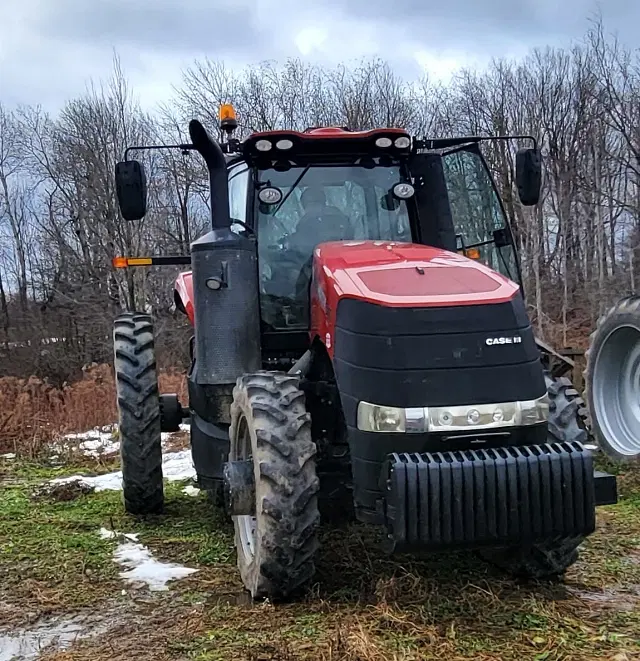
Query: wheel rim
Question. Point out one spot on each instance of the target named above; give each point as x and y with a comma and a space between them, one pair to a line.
616, 390
246, 523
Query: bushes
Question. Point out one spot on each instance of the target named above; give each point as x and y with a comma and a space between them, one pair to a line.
33, 412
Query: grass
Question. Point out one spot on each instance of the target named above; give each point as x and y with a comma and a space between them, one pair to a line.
52, 558
363, 606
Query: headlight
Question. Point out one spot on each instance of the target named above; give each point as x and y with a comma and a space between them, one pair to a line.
381, 418
479, 417
402, 142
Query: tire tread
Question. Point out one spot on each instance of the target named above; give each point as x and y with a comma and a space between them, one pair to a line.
138, 413
287, 485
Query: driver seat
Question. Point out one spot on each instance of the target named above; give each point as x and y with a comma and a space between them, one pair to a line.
321, 221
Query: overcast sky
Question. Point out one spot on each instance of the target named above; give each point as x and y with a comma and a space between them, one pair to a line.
50, 49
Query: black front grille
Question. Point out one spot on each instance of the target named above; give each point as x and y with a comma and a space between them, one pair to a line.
410, 357
494, 496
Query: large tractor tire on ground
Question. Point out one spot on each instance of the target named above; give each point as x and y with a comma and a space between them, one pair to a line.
612, 381
567, 423
271, 426
138, 414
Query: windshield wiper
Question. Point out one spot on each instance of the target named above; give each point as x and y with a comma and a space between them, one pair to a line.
286, 197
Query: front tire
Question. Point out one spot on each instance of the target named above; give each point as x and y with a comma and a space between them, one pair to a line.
270, 424
138, 414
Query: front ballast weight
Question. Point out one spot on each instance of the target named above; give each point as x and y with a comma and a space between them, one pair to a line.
448, 499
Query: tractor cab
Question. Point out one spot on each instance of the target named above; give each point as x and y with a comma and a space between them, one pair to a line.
326, 185
295, 191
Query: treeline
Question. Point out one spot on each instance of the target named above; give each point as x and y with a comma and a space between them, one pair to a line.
60, 226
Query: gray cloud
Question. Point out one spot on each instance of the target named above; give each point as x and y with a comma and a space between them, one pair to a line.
50, 48
470, 23
148, 24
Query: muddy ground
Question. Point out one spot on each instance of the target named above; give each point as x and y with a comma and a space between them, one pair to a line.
92, 583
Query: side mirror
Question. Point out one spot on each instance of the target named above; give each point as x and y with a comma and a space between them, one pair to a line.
131, 189
529, 175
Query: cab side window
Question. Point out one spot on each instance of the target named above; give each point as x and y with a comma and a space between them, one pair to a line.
477, 214
238, 183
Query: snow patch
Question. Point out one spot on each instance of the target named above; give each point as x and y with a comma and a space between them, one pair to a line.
112, 534
190, 490
103, 440
176, 466
92, 443
96, 446
139, 564
8, 455
106, 482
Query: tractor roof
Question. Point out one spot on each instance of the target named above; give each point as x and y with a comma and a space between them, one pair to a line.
319, 144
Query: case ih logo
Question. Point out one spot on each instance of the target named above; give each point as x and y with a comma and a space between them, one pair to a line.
516, 339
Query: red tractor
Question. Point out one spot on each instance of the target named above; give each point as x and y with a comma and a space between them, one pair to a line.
361, 347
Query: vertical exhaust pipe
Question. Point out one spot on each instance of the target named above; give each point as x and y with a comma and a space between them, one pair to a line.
210, 150
225, 289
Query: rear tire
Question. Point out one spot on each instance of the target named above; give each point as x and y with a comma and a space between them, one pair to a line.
549, 560
544, 561
568, 417
138, 414
612, 381
277, 545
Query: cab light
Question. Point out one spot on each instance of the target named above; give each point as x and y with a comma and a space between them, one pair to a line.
270, 195
403, 191
263, 145
123, 262
384, 142
472, 253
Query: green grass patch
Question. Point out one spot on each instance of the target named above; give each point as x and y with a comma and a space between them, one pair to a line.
31, 471
52, 557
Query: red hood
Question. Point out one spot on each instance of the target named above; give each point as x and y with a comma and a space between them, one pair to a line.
407, 274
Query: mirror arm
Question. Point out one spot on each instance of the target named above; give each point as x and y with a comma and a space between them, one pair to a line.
183, 148
444, 143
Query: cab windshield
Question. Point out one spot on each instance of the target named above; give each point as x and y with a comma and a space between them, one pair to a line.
318, 204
